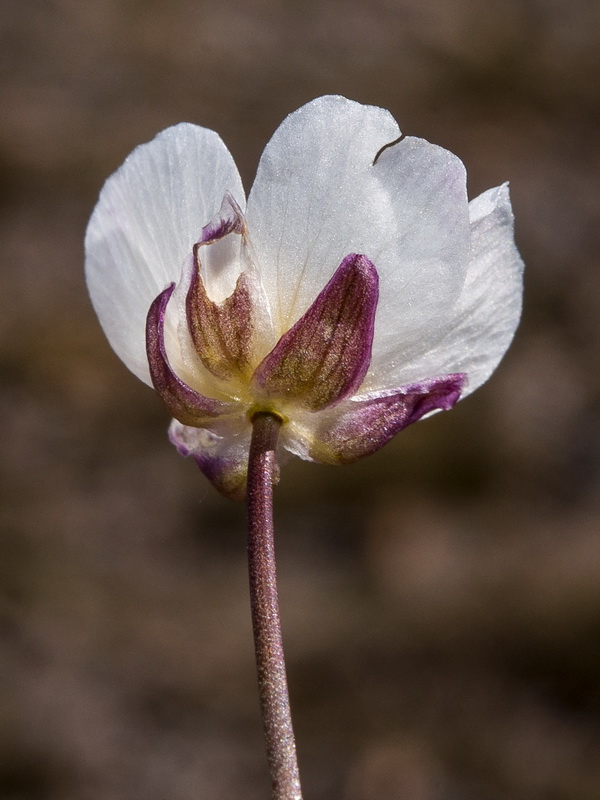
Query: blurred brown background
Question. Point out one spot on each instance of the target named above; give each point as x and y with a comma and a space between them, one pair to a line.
441, 599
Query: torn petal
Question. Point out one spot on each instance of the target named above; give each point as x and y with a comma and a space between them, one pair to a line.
183, 402
222, 458
366, 425
324, 357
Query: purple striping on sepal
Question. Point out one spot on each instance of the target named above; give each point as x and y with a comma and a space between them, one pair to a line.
222, 333
369, 424
183, 402
229, 220
324, 357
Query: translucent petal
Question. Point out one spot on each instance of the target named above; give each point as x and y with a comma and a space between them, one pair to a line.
487, 313
149, 215
318, 196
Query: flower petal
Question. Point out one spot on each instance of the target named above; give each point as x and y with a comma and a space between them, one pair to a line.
320, 192
487, 313
222, 456
325, 356
361, 427
183, 402
148, 216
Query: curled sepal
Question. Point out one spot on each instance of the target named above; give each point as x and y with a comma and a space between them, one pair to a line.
366, 425
222, 458
183, 402
324, 357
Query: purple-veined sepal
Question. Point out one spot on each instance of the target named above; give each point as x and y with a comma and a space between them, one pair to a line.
222, 332
184, 403
362, 427
324, 357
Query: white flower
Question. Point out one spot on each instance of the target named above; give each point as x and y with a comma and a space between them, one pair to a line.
356, 290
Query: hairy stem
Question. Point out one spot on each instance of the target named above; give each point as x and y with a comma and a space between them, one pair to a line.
268, 645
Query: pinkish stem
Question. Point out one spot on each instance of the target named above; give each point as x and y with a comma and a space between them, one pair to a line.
268, 645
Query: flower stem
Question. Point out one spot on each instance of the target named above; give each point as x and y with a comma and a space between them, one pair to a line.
268, 645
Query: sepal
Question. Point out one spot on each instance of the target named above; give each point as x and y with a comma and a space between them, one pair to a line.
184, 403
324, 357
364, 426
222, 457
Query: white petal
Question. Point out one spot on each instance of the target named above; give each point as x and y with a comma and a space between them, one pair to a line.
488, 310
149, 215
318, 196
300, 210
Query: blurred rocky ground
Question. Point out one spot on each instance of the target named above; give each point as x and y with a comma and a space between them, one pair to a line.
441, 599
